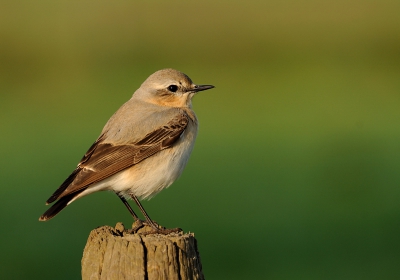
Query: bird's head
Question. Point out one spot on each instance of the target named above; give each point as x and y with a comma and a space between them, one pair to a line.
169, 87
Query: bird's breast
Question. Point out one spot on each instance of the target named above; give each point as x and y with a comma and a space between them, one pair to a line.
159, 171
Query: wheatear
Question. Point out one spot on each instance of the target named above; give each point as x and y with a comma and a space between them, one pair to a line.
142, 149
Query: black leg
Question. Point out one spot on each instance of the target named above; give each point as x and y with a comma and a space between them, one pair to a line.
149, 221
135, 217
138, 223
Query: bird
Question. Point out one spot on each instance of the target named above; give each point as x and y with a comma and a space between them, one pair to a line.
142, 149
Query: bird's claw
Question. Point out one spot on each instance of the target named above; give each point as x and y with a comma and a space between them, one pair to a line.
147, 228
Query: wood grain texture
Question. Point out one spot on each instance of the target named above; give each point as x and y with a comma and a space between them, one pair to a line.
116, 253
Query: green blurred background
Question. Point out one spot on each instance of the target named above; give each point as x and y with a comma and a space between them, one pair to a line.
296, 170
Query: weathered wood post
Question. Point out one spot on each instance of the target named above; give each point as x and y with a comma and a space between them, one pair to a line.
116, 253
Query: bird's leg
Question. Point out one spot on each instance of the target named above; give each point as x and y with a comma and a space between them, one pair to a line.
135, 217
138, 223
150, 222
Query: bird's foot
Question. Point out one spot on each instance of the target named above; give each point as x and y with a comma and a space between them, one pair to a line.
138, 224
146, 228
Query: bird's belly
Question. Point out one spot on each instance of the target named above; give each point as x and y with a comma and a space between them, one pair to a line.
149, 178
153, 174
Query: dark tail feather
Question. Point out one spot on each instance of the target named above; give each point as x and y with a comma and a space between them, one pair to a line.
63, 186
75, 173
58, 206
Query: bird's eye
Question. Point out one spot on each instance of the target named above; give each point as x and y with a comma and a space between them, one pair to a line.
173, 88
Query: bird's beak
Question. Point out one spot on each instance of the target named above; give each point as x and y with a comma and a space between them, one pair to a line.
202, 87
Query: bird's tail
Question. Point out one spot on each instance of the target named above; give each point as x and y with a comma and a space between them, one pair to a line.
58, 206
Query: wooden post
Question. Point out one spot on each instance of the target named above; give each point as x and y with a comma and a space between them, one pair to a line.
115, 253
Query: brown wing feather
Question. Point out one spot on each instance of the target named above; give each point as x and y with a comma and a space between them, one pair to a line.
74, 174
104, 159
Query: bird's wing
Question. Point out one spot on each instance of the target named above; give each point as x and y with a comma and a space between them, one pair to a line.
105, 159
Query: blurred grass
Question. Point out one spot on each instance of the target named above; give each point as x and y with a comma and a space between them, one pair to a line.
295, 173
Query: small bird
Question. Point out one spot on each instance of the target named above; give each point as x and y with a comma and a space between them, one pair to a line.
142, 149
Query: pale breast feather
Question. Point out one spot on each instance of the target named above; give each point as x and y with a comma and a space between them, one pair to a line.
103, 159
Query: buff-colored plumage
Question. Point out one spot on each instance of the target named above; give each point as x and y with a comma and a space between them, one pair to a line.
144, 146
